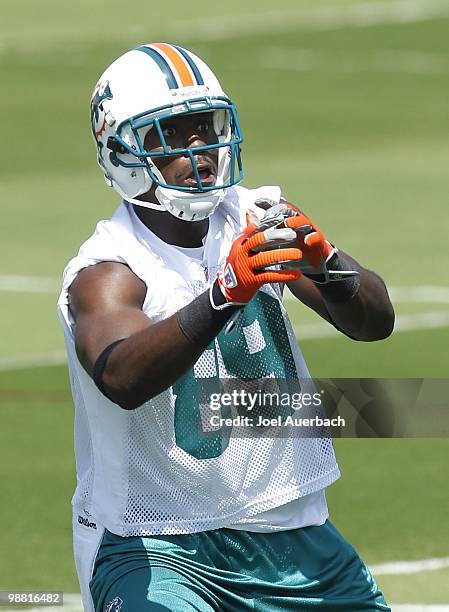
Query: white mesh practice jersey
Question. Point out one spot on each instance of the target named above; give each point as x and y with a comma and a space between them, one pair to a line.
161, 468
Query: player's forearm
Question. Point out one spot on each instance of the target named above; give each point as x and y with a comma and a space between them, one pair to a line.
368, 315
151, 360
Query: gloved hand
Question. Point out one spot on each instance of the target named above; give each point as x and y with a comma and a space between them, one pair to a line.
310, 239
252, 252
320, 260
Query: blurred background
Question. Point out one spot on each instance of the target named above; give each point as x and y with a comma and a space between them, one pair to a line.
344, 103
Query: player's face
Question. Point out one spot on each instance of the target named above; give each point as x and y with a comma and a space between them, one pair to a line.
181, 133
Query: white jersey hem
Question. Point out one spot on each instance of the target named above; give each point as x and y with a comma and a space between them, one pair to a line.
247, 511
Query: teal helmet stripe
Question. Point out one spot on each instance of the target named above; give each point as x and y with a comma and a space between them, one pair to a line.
193, 66
163, 65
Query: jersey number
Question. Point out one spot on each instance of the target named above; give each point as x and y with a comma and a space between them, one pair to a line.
258, 347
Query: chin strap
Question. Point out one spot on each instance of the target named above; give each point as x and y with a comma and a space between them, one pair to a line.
193, 208
181, 204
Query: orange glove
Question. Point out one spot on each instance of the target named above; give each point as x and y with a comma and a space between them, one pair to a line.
321, 261
243, 273
310, 239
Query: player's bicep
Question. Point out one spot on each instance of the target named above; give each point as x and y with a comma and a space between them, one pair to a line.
106, 302
94, 333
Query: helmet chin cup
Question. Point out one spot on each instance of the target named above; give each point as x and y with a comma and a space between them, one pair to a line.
201, 207
182, 205
189, 207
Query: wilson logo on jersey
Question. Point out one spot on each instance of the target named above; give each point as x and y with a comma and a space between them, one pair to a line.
115, 605
86, 522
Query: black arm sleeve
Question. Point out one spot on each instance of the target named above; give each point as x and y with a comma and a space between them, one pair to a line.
100, 364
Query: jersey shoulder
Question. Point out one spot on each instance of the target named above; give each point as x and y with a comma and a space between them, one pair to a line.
240, 199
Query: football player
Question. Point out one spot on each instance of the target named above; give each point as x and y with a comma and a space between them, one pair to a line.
183, 286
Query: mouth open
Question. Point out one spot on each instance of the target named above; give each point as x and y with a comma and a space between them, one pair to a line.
206, 172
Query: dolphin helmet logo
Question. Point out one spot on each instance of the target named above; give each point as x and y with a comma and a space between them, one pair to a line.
101, 93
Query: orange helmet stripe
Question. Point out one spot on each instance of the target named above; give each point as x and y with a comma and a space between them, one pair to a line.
178, 62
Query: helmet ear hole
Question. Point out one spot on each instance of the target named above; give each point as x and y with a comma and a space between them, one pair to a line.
115, 146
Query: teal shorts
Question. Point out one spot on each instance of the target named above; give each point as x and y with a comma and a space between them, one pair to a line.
226, 570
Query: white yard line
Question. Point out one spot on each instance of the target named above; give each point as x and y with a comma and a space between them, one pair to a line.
235, 25
32, 360
279, 21
409, 567
365, 60
421, 294
423, 320
425, 294
416, 608
312, 331
29, 284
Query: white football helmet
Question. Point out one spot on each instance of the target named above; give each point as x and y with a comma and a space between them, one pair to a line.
139, 90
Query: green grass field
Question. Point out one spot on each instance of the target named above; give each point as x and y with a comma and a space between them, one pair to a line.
342, 103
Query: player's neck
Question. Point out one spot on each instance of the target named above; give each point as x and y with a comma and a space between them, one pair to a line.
172, 230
